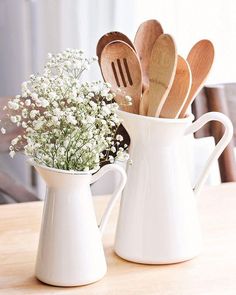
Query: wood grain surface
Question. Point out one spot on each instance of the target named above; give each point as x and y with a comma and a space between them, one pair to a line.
145, 37
161, 73
200, 59
179, 90
211, 273
217, 102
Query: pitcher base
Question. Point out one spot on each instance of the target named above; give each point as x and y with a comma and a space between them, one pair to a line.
157, 261
69, 283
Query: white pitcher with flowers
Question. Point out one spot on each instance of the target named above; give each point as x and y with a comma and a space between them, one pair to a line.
69, 132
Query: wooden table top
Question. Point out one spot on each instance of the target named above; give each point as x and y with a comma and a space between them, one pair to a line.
211, 273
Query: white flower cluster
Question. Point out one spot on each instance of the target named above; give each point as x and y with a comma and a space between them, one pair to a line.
67, 124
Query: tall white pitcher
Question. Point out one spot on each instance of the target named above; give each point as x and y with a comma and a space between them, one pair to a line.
158, 221
70, 251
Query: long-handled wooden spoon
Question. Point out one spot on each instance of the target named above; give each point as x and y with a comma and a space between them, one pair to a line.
110, 37
121, 68
179, 90
200, 59
143, 107
161, 73
147, 34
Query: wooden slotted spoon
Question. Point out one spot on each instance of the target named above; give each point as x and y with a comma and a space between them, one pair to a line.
110, 37
121, 68
146, 36
200, 59
161, 73
179, 90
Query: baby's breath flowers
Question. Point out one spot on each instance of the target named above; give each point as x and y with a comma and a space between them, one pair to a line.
67, 124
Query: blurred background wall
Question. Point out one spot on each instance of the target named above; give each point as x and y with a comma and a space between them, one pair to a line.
29, 29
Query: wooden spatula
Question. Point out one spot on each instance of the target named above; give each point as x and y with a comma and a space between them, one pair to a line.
147, 34
200, 59
108, 38
161, 73
121, 68
179, 90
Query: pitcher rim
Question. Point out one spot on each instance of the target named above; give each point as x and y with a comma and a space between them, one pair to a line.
189, 117
72, 172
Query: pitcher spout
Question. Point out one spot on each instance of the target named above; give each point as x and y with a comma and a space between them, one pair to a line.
63, 178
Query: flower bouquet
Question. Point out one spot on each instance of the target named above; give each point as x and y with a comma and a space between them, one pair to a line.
67, 124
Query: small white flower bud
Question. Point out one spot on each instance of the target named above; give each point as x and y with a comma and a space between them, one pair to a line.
12, 154
3, 130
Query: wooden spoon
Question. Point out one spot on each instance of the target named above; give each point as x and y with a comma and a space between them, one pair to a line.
121, 68
200, 59
147, 34
161, 73
179, 91
143, 107
108, 38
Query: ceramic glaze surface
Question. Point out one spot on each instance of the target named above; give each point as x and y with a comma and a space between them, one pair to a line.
158, 221
70, 249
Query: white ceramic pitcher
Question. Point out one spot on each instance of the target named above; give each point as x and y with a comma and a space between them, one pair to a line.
70, 251
158, 221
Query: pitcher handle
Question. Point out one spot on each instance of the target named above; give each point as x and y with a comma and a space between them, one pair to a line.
225, 139
116, 193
